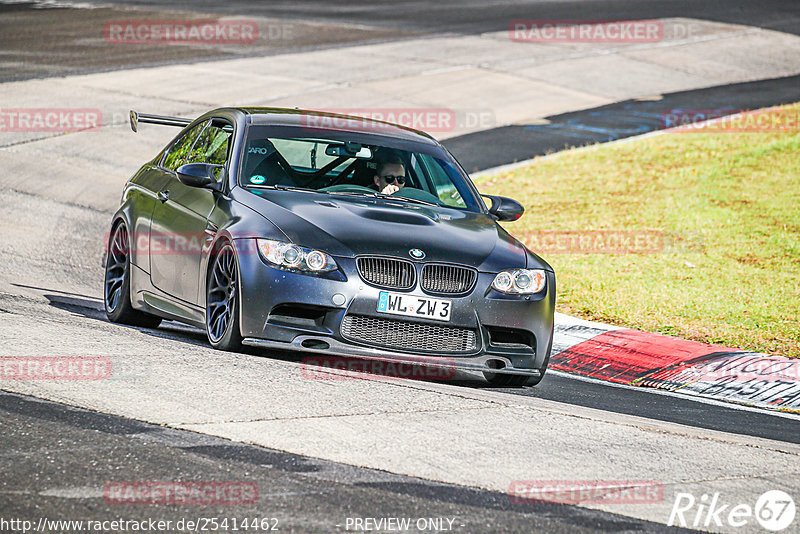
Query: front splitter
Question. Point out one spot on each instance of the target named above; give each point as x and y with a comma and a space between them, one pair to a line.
314, 344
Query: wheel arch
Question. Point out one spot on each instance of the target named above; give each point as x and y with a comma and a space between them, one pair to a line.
220, 240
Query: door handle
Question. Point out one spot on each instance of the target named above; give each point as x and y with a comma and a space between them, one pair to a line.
163, 196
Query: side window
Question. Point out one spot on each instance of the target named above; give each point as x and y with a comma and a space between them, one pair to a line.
212, 145
445, 188
178, 152
422, 176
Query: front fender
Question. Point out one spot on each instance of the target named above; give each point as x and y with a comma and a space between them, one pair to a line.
239, 225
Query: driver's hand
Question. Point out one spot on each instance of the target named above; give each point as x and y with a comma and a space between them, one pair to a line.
390, 188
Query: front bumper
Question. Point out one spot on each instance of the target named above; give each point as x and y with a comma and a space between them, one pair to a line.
482, 362
484, 311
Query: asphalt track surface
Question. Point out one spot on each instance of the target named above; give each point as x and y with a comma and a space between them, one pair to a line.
52, 443
477, 151
46, 444
59, 41
473, 16
44, 42
54, 43
579, 391
563, 387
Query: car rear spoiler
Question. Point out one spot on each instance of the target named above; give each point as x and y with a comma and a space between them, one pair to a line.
136, 118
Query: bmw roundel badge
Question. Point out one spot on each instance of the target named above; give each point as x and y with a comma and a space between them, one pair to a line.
416, 253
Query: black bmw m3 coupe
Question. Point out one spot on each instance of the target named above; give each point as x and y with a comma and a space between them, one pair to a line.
325, 233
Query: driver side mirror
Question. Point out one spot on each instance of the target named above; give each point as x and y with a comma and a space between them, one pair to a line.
505, 209
201, 175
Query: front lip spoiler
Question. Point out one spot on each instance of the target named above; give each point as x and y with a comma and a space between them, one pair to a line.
337, 348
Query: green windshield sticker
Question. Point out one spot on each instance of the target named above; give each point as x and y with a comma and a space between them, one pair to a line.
257, 179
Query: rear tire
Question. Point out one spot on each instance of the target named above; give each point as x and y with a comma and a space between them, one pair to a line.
117, 283
222, 301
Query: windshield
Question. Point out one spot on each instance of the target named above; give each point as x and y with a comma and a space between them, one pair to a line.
347, 167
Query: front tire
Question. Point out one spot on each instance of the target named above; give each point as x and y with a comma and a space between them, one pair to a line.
222, 299
117, 283
511, 381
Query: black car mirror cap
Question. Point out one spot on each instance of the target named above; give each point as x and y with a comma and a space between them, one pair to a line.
504, 208
201, 175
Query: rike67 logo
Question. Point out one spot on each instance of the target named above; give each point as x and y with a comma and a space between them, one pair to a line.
774, 510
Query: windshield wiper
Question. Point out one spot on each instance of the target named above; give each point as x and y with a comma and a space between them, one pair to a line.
382, 196
405, 199
282, 187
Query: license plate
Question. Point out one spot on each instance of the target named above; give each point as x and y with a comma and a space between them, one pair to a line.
414, 306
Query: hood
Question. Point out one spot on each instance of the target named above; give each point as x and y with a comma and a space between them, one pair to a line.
351, 226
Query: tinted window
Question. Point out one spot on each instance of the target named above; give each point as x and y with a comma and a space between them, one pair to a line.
443, 186
351, 166
304, 154
211, 146
178, 152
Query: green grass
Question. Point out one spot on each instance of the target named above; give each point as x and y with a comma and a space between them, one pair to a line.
728, 208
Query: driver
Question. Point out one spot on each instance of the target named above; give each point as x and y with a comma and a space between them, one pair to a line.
390, 176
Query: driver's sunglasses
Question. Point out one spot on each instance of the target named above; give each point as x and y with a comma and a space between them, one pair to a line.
391, 178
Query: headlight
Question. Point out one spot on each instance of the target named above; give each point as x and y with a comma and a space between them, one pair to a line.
520, 281
294, 257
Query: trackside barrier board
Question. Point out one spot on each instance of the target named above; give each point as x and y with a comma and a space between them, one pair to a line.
652, 360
